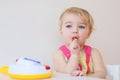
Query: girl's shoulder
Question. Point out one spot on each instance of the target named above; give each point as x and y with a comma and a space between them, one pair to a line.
57, 52
94, 50
95, 53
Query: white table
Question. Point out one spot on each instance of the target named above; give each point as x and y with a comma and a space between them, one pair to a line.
56, 76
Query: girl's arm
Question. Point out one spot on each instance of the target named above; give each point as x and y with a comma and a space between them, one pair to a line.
61, 65
99, 67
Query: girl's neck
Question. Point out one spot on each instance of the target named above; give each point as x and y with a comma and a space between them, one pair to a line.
82, 47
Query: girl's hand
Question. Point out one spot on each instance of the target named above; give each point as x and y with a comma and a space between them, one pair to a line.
78, 73
74, 47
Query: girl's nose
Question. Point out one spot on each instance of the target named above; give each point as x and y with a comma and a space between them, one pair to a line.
75, 30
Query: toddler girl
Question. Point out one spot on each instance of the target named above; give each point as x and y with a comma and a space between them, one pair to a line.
74, 56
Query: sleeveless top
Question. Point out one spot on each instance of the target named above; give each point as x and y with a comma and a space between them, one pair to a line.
85, 61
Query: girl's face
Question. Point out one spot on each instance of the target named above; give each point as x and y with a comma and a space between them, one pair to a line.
74, 28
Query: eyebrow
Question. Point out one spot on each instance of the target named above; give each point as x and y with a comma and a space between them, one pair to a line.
68, 22
71, 22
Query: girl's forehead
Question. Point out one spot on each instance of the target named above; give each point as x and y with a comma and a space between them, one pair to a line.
73, 18
71, 15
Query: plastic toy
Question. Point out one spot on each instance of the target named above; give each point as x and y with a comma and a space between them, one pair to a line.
27, 68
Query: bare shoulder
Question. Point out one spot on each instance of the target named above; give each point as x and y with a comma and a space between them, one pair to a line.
99, 67
59, 61
58, 56
96, 53
97, 57
97, 60
57, 53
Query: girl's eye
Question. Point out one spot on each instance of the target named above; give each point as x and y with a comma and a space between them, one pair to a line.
68, 26
82, 27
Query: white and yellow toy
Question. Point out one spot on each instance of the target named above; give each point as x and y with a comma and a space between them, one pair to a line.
27, 68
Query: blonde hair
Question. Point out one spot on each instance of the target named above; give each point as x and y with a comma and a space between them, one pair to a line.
84, 15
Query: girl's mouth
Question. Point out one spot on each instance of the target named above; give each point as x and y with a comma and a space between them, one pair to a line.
73, 38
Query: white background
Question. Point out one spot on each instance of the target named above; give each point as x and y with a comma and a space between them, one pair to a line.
29, 28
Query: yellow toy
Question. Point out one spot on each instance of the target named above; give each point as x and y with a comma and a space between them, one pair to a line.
26, 68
